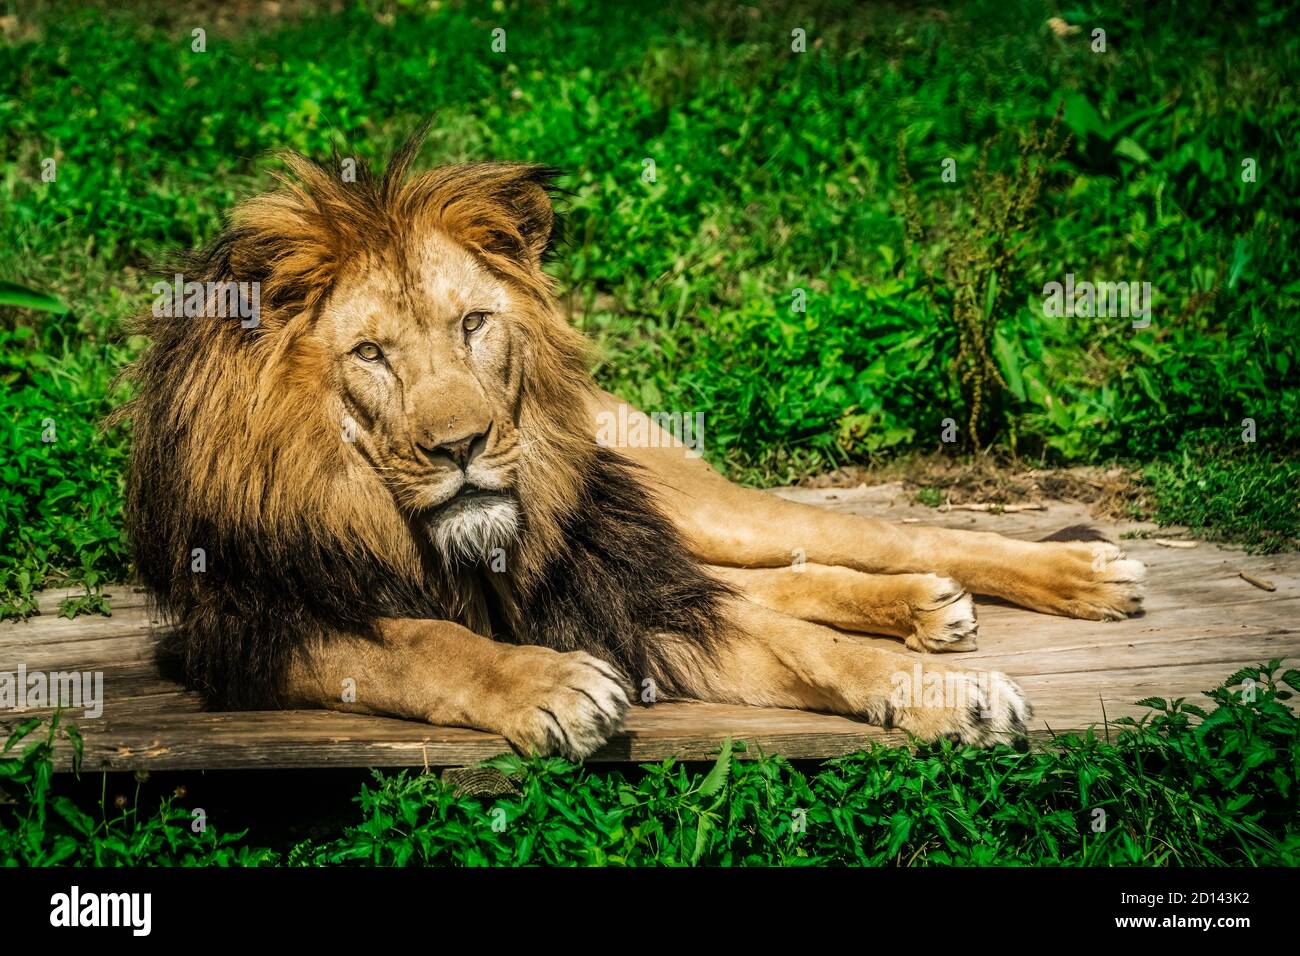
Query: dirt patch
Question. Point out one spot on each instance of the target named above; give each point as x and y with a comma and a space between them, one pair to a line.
1110, 491
218, 17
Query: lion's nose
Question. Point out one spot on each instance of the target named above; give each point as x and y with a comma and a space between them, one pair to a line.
460, 450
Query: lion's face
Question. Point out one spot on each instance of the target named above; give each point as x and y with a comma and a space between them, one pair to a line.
427, 352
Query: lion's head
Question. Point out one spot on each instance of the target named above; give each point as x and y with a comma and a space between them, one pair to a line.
407, 369
400, 432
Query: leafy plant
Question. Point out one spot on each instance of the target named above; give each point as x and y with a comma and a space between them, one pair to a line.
49, 829
979, 256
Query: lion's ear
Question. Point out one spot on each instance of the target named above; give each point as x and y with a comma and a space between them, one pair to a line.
530, 201
503, 209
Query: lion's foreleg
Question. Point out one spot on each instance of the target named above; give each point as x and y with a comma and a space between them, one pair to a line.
927, 611
541, 700
770, 659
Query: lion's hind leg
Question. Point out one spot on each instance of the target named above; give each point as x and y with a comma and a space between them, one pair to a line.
773, 660
929, 612
726, 524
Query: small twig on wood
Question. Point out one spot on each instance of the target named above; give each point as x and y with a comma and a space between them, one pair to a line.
993, 507
1262, 583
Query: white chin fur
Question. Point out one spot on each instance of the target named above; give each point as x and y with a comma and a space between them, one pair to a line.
472, 528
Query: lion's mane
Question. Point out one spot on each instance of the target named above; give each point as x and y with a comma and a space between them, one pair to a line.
254, 543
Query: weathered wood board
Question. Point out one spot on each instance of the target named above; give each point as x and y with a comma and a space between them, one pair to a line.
1202, 622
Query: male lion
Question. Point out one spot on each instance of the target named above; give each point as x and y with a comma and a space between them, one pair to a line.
391, 482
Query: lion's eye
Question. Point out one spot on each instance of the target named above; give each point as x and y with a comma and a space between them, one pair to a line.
473, 321
368, 351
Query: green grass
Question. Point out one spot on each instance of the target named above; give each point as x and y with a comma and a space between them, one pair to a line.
776, 172
1228, 491
1183, 786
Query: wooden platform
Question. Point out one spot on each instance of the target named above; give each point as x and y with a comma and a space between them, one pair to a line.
1203, 621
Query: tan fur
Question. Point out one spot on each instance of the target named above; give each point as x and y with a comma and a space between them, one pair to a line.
726, 524
779, 661
927, 611
510, 406
541, 700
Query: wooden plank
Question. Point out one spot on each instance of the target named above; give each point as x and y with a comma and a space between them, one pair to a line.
1202, 623
320, 738
301, 739
122, 596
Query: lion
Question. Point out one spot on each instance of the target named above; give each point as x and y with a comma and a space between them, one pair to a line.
390, 483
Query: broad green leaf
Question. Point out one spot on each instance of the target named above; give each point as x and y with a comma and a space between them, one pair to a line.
18, 296
718, 775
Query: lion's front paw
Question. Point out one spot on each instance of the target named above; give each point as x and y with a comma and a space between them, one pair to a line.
980, 708
943, 618
563, 704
